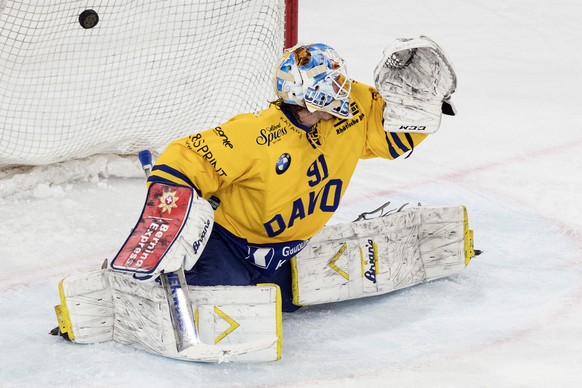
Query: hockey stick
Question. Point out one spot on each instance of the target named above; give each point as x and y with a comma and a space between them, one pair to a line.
176, 290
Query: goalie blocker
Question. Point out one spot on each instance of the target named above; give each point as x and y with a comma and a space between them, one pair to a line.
171, 233
243, 323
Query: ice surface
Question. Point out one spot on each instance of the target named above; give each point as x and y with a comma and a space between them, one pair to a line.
513, 318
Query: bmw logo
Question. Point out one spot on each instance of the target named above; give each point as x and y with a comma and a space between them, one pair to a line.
283, 163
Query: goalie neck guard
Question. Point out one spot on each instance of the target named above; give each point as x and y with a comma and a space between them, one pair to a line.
314, 76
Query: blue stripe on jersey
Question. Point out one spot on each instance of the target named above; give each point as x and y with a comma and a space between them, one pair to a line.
157, 179
391, 149
169, 170
399, 142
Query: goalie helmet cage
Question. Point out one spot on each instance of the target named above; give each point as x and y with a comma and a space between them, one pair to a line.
115, 77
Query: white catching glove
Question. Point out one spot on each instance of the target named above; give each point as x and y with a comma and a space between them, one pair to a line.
416, 80
172, 232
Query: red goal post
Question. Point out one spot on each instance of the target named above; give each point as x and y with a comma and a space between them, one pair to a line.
291, 22
115, 78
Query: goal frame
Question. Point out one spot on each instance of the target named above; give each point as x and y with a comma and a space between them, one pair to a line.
18, 175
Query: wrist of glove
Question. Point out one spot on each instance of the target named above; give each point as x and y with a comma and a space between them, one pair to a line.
416, 80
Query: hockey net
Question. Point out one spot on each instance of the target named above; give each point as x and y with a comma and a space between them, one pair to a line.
111, 77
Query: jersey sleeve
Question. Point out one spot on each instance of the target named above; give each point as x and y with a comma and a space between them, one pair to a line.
208, 160
380, 143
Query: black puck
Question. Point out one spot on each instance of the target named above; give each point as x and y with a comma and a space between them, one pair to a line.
88, 19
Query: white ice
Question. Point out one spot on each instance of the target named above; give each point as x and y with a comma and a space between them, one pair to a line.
513, 318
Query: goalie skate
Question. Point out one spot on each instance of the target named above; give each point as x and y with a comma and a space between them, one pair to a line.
381, 255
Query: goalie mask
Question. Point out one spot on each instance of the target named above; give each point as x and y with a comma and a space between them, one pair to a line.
314, 76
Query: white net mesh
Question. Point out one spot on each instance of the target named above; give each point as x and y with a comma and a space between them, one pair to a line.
148, 72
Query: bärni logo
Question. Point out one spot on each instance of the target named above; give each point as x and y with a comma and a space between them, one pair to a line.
198, 242
372, 252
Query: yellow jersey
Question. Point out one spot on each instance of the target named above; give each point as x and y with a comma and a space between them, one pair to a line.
277, 181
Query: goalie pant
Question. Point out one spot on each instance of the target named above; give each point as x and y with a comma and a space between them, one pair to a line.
221, 263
